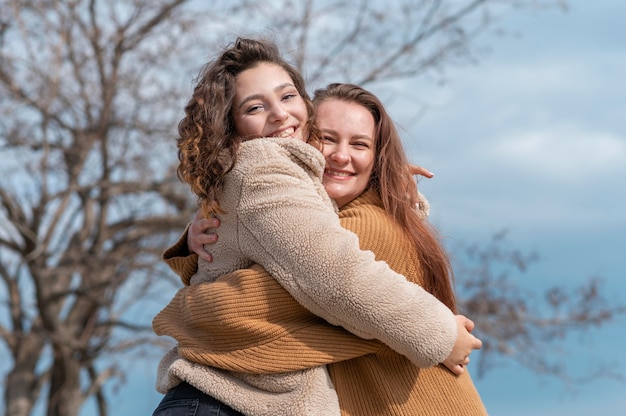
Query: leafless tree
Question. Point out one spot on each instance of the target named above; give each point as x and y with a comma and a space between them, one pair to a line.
88, 190
525, 325
90, 95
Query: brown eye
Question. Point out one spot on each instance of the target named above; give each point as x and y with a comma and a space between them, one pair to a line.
254, 109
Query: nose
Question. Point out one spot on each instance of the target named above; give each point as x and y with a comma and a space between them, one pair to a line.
339, 154
278, 113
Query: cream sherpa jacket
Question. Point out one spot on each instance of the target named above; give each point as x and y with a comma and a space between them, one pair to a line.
245, 321
279, 215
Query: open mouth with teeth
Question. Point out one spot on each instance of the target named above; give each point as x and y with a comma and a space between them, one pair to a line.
341, 174
289, 132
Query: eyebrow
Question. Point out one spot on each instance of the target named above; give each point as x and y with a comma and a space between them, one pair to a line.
355, 136
260, 96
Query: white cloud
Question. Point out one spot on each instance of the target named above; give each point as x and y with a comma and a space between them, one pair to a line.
559, 151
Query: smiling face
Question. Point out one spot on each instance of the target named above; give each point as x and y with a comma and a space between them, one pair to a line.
348, 130
267, 104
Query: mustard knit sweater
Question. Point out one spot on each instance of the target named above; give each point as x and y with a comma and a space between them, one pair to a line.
259, 328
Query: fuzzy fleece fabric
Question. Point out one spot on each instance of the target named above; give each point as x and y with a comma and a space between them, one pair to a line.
275, 190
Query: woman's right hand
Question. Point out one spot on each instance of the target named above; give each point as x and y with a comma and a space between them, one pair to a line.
199, 235
463, 347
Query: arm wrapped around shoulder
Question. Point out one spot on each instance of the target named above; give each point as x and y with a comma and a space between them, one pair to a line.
321, 265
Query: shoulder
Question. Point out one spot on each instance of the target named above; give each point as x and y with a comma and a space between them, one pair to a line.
268, 151
276, 171
366, 209
380, 233
366, 217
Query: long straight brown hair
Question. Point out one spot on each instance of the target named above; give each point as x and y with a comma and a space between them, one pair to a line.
394, 183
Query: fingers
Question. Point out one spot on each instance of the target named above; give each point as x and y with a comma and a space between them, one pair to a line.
198, 244
466, 343
458, 370
466, 322
478, 344
418, 170
205, 255
455, 368
199, 236
204, 239
466, 360
202, 225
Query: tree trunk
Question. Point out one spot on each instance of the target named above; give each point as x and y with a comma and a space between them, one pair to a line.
65, 396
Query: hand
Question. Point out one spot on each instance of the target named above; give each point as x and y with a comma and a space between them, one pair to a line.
465, 344
198, 235
418, 170
423, 206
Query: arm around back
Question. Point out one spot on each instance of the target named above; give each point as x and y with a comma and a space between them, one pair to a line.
288, 226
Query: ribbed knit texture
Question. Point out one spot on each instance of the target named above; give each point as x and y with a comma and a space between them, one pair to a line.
388, 383
271, 332
180, 260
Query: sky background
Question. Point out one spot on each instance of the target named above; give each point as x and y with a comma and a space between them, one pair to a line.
532, 139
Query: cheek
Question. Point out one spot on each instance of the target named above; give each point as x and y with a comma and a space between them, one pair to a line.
301, 109
365, 167
248, 127
327, 151
366, 164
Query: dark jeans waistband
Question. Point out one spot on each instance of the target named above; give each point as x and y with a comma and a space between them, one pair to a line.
186, 391
185, 398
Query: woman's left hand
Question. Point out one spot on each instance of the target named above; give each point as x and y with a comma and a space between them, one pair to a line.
419, 170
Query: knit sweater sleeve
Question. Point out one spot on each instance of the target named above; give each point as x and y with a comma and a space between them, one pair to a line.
245, 321
321, 265
180, 260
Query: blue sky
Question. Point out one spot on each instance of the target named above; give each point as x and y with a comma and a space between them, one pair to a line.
532, 139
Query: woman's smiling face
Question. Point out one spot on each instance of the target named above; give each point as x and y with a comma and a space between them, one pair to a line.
348, 130
267, 104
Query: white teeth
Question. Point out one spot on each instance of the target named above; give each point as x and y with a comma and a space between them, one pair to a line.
343, 174
287, 133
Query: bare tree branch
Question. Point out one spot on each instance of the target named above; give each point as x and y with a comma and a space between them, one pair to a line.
91, 92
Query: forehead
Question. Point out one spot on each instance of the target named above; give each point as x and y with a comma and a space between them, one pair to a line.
345, 116
264, 76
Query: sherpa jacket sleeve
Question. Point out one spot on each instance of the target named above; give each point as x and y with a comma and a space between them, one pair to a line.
185, 263
286, 226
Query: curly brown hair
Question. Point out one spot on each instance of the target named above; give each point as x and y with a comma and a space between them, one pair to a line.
208, 142
393, 182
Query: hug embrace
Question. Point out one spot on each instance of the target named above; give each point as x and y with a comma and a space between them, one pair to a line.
313, 283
